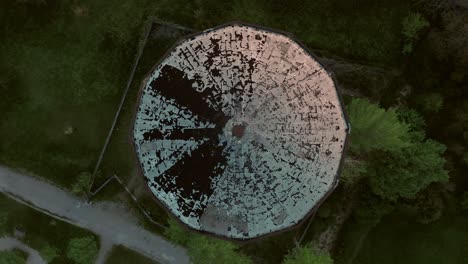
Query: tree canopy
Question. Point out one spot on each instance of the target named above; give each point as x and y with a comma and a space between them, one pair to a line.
373, 127
405, 172
403, 162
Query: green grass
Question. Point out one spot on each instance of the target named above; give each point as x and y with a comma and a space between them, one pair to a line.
65, 64
399, 239
40, 230
269, 250
123, 255
62, 67
14, 256
120, 157
365, 30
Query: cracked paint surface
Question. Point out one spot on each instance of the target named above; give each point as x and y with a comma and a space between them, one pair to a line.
239, 132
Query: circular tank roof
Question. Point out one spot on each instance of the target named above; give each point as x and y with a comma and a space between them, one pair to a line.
240, 131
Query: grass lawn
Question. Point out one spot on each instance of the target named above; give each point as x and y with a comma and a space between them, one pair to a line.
366, 30
15, 255
398, 239
120, 157
64, 64
40, 230
123, 255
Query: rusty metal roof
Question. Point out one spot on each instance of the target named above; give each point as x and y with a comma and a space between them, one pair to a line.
240, 131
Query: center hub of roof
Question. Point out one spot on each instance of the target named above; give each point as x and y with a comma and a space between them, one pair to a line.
238, 130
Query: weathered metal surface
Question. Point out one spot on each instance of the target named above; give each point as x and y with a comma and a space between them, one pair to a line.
240, 132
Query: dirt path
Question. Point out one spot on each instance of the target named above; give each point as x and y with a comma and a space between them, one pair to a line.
7, 243
113, 224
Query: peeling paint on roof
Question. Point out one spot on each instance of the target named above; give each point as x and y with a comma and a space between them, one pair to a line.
240, 132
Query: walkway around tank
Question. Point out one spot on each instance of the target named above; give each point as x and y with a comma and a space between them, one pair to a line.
114, 225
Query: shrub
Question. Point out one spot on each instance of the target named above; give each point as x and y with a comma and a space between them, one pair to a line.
82, 250
48, 253
82, 183
11, 257
432, 102
307, 255
412, 26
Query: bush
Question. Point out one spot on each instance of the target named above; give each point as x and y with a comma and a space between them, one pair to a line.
203, 249
82, 183
82, 250
11, 257
412, 26
431, 103
307, 255
48, 253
